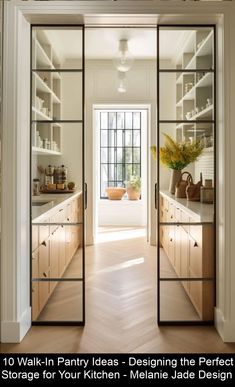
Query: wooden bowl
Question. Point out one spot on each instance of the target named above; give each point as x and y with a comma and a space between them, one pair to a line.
115, 193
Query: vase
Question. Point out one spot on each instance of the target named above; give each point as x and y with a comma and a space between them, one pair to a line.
175, 177
132, 193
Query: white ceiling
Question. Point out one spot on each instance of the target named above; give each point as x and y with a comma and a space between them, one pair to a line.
102, 43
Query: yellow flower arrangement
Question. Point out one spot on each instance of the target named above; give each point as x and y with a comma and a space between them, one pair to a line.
177, 155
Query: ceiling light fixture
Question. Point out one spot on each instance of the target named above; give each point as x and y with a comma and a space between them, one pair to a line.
121, 82
123, 59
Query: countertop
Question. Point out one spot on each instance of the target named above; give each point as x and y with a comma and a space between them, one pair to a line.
54, 202
200, 212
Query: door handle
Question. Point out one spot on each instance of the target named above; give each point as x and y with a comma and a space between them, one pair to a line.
156, 196
85, 195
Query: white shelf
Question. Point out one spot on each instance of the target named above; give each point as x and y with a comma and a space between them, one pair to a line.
40, 115
205, 48
42, 151
44, 88
203, 114
42, 59
207, 80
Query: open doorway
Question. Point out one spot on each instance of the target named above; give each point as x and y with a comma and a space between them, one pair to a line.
128, 114
120, 162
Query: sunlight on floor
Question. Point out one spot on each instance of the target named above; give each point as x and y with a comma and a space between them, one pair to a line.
110, 234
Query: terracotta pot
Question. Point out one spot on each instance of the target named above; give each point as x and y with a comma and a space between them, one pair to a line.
175, 178
115, 193
132, 193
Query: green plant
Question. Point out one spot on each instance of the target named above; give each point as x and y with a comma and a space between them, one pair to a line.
177, 155
134, 182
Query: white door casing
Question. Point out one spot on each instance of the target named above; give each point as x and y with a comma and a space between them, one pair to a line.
15, 255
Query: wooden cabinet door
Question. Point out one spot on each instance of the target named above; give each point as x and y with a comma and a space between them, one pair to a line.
34, 237
184, 248
178, 249
62, 250
54, 258
171, 244
44, 272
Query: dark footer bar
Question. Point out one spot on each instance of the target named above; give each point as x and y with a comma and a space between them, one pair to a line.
82, 369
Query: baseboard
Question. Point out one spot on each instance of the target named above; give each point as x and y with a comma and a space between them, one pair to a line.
14, 331
225, 328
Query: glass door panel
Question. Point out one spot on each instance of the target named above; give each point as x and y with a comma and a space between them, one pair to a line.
186, 174
57, 172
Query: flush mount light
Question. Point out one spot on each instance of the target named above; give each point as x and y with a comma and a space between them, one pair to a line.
122, 84
123, 59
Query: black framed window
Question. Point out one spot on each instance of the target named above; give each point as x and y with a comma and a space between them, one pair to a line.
120, 148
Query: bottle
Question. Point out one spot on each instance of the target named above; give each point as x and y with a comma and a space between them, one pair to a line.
207, 192
64, 175
36, 187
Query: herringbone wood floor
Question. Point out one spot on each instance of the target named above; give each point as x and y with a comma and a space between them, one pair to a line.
120, 310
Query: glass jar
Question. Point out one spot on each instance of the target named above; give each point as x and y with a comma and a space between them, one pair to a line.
36, 187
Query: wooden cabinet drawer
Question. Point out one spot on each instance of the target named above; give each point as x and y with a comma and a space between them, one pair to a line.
177, 214
196, 234
44, 232
171, 213
185, 219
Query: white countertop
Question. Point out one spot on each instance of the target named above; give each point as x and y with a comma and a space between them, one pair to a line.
55, 201
200, 212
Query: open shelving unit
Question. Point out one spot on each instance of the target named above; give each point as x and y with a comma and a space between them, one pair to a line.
46, 97
195, 90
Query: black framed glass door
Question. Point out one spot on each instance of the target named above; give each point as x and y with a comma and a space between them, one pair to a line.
186, 133
57, 175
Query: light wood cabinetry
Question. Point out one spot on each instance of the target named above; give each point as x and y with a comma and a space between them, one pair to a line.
190, 249
46, 96
53, 247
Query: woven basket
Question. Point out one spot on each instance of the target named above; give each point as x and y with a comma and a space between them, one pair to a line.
180, 188
115, 193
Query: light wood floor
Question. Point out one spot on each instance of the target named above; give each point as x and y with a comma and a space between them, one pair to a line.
120, 309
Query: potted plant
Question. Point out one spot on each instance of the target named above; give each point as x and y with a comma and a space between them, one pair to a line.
176, 156
133, 187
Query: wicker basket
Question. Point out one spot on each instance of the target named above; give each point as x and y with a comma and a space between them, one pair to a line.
115, 193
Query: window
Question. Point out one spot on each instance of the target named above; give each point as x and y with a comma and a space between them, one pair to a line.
120, 147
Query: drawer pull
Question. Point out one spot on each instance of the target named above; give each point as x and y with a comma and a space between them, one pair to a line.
61, 209
171, 240
68, 219
44, 243
171, 216
44, 274
195, 244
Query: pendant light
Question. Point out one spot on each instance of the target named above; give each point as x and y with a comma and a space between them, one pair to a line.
123, 59
122, 84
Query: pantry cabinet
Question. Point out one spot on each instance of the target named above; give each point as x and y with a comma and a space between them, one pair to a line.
53, 248
190, 250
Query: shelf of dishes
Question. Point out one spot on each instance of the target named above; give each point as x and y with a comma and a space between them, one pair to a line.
198, 80
44, 144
